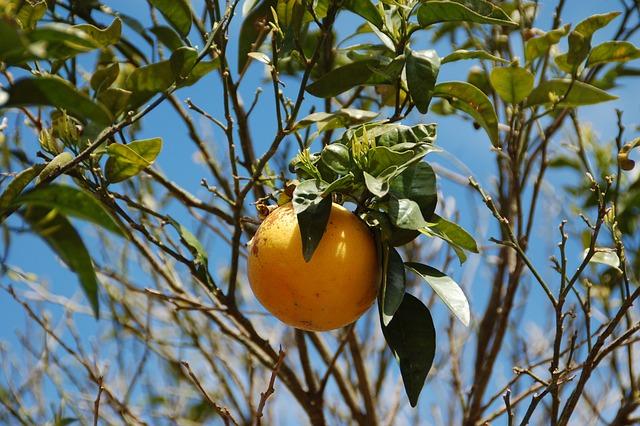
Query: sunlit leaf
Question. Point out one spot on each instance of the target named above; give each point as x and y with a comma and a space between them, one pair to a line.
460, 55
539, 46
422, 71
580, 37
128, 160
58, 93
448, 290
342, 79
478, 11
613, 51
571, 95
366, 9
468, 98
176, 12
103, 37
17, 185
513, 84
52, 167
73, 202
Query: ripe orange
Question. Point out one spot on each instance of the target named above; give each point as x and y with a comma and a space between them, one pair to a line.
333, 289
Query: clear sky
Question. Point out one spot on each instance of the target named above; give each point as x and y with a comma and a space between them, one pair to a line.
458, 138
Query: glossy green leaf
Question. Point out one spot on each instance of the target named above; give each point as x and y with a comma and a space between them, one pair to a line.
417, 183
17, 185
461, 55
580, 37
167, 36
613, 51
251, 30
513, 84
151, 79
459, 239
176, 12
71, 201
580, 94
128, 160
378, 186
448, 290
336, 156
342, 79
468, 98
313, 211
55, 92
366, 9
341, 118
539, 46
605, 256
103, 37
52, 167
478, 11
62, 237
14, 46
405, 214
422, 71
393, 134
393, 285
411, 336
381, 158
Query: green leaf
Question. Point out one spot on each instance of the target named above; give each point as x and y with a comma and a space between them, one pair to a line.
115, 99
605, 256
478, 11
30, 13
365, 9
342, 79
459, 239
167, 36
341, 118
62, 237
17, 185
103, 37
150, 79
176, 12
126, 161
513, 84
58, 162
182, 61
197, 250
313, 211
393, 134
381, 158
62, 41
251, 30
336, 156
56, 92
71, 201
405, 214
448, 290
422, 71
580, 37
417, 183
393, 285
539, 46
580, 94
613, 51
460, 55
376, 185
104, 77
468, 98
14, 46
411, 336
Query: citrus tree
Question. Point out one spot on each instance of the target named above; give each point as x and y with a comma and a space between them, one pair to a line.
317, 188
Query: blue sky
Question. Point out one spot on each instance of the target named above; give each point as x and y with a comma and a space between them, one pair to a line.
458, 138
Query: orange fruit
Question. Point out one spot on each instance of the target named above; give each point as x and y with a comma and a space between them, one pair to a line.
333, 289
